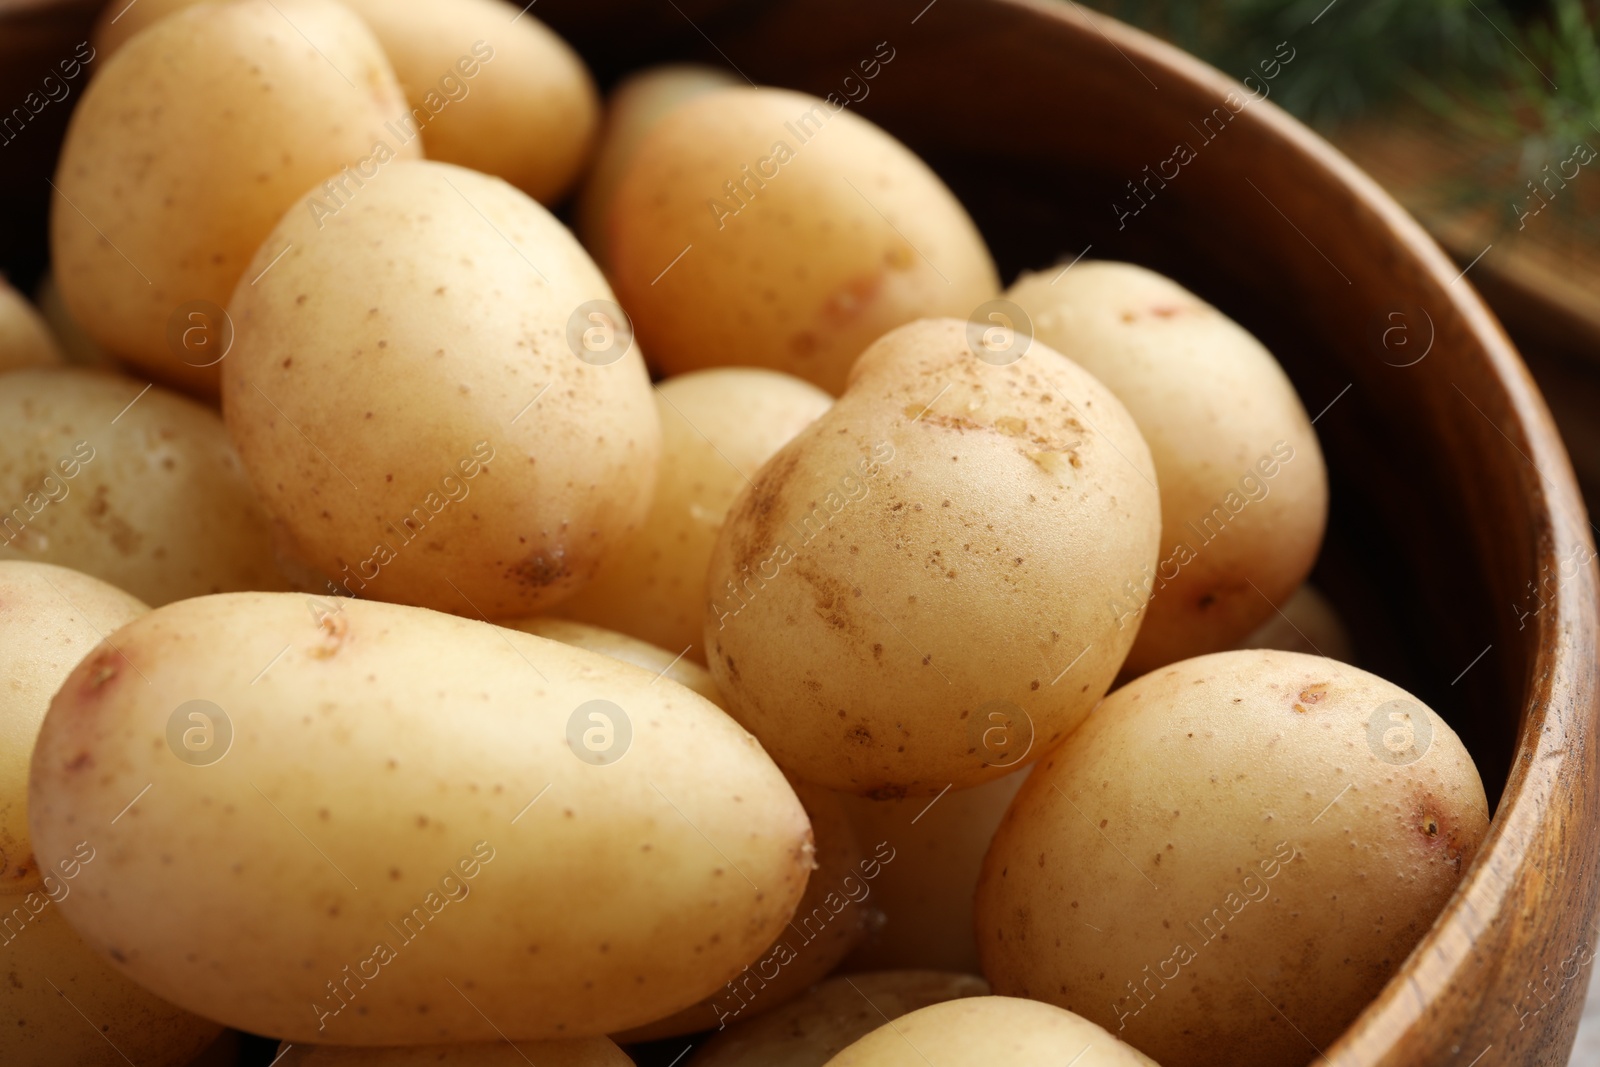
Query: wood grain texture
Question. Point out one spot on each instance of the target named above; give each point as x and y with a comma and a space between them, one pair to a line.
1451, 490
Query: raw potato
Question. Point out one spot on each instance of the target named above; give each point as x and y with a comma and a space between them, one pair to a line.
178, 162
25, 339
915, 593
429, 435
839, 235
50, 618
829, 922
982, 1031
657, 661
1244, 493
1306, 622
635, 106
924, 898
1246, 818
717, 428
141, 489
808, 1032
588, 1052
408, 747
77, 347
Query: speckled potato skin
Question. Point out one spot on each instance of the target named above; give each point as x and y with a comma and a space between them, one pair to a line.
1219, 414
1222, 822
656, 660
408, 747
587, 1052
179, 154
810, 271
982, 1031
402, 342
925, 895
634, 107
25, 340
947, 536
50, 618
809, 1031
145, 492
829, 922
717, 428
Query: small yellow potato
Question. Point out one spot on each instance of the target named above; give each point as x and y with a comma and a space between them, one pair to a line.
1244, 492
982, 1031
635, 106
923, 899
771, 227
586, 1052
440, 435
25, 338
187, 147
78, 348
809, 1031
1235, 852
942, 496
656, 660
128, 482
360, 823
1306, 622
829, 922
118, 22
50, 618
717, 428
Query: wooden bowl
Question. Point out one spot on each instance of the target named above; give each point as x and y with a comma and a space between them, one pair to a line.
1458, 548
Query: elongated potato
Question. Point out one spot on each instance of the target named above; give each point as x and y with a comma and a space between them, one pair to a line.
771, 227
657, 661
1246, 819
139, 488
371, 398
717, 428
175, 167
981, 1031
50, 618
943, 495
25, 339
809, 1031
1244, 493
408, 824
587, 1052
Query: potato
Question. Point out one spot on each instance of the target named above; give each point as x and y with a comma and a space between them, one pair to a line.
657, 661
117, 23
1306, 622
346, 837
980, 1031
139, 488
807, 1032
187, 147
77, 347
25, 339
924, 898
50, 618
717, 428
588, 1052
1244, 493
830, 921
635, 106
371, 398
1235, 852
770, 227
942, 495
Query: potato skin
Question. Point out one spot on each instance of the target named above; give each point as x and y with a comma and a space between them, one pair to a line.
940, 495
980, 1031
810, 270
363, 390
143, 491
176, 154
50, 618
657, 661
1244, 491
717, 428
25, 339
1224, 821
807, 1032
586, 1052
408, 746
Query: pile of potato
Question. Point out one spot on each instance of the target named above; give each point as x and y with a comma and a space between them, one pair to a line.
459, 693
